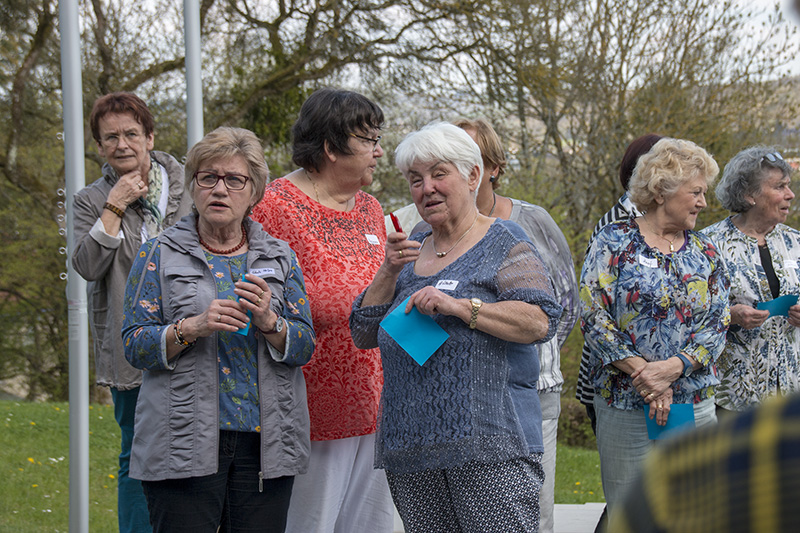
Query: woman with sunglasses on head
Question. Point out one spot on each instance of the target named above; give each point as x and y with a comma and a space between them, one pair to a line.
217, 314
762, 253
338, 233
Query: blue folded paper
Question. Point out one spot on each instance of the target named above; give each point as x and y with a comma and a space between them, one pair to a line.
681, 418
779, 306
419, 335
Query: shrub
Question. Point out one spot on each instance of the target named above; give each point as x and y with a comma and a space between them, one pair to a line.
574, 428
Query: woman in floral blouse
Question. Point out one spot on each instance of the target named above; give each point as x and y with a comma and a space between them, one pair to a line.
761, 254
655, 297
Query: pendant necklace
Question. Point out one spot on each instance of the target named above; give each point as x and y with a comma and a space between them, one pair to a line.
671, 245
442, 254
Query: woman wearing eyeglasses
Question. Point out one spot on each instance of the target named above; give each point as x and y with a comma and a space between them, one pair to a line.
762, 253
337, 231
217, 314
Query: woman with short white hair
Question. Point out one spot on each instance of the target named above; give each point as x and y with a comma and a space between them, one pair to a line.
450, 437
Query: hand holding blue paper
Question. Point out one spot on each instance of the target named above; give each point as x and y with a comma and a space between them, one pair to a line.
419, 335
779, 306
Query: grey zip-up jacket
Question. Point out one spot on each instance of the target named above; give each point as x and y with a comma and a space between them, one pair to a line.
104, 261
177, 415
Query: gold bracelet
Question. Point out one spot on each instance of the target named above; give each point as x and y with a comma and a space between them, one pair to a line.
114, 209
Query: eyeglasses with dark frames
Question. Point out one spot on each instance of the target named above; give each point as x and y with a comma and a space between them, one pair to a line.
773, 157
374, 141
207, 179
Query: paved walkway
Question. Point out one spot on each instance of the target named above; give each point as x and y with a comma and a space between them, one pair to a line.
568, 518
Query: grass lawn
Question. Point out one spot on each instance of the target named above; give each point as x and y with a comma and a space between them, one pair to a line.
34, 468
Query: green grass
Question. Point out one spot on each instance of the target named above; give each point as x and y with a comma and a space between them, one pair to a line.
34, 468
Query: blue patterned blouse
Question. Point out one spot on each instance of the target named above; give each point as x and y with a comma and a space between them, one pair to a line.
236, 353
638, 301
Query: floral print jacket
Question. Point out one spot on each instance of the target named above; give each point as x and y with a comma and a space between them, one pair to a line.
638, 301
762, 361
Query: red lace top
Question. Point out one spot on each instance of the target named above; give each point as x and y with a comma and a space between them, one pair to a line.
339, 253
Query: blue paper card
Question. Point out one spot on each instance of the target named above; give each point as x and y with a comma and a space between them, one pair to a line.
779, 306
681, 418
419, 335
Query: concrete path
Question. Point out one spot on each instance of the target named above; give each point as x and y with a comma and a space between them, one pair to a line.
568, 518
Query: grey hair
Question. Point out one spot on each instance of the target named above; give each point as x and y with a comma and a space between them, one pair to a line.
666, 167
744, 175
440, 141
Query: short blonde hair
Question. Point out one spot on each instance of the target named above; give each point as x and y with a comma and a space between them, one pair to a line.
666, 167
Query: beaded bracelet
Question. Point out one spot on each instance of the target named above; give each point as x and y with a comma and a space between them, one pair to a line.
179, 340
114, 209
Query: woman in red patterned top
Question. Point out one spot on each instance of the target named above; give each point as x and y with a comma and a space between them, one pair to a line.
338, 234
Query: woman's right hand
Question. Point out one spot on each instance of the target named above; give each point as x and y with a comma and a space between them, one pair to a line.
748, 317
399, 252
221, 315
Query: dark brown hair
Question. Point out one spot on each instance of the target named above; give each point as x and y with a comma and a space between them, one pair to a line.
120, 103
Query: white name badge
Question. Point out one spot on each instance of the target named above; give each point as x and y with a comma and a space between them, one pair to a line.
650, 262
447, 284
372, 239
261, 272
790, 263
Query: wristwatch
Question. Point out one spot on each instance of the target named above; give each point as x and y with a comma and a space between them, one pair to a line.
688, 368
476, 306
278, 326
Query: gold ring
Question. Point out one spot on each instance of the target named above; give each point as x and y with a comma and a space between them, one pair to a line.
651, 394
219, 318
660, 407
258, 301
141, 185
400, 253
262, 294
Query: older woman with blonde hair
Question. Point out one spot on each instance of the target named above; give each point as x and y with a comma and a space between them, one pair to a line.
460, 443
655, 313
762, 353
217, 314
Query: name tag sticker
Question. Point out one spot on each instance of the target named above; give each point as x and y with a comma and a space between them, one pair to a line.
372, 239
790, 263
447, 284
650, 262
261, 272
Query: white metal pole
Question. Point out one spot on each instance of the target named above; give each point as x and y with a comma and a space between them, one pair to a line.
194, 67
72, 93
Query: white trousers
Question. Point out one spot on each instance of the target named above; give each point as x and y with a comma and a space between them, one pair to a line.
342, 492
551, 409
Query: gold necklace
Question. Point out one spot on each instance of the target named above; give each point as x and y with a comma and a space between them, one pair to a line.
442, 254
316, 192
671, 246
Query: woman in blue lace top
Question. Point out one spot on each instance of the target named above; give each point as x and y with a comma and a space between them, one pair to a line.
458, 452
655, 313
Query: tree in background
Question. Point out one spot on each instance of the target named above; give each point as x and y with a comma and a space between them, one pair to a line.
567, 83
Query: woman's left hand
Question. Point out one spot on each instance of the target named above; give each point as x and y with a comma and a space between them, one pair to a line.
652, 379
254, 296
659, 407
794, 315
430, 301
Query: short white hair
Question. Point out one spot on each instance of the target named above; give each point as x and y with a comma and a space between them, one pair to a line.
440, 141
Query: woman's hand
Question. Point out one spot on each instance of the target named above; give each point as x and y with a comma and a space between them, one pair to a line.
400, 251
654, 378
254, 296
659, 407
430, 301
221, 315
794, 316
749, 317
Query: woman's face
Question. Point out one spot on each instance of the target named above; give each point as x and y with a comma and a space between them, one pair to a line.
440, 193
360, 164
682, 207
124, 144
218, 206
774, 199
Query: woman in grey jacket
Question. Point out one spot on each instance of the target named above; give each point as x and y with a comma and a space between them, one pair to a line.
217, 314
